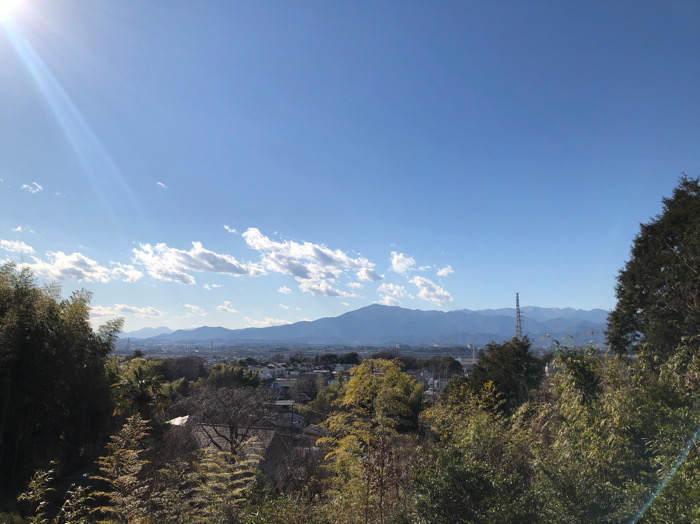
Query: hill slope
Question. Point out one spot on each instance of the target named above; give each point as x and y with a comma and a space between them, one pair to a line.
388, 325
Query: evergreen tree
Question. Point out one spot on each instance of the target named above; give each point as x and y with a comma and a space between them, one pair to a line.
512, 369
658, 291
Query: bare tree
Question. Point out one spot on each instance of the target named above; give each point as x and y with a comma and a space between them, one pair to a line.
225, 418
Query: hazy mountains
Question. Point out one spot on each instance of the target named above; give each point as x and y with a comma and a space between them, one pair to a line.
147, 332
378, 325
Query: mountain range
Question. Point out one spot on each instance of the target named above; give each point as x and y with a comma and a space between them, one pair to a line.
379, 325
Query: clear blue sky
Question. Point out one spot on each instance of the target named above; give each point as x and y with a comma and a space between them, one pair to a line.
519, 143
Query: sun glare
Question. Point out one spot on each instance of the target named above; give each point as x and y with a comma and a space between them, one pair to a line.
7, 8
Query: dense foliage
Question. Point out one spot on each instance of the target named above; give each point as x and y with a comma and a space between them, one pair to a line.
55, 400
658, 291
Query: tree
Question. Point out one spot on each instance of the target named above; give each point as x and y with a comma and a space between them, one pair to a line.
226, 417
55, 400
140, 389
511, 368
367, 439
473, 470
658, 291
230, 375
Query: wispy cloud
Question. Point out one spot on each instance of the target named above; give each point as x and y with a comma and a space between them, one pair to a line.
314, 266
209, 287
430, 291
73, 266
125, 272
16, 246
283, 306
267, 322
447, 270
123, 309
230, 229
23, 229
34, 187
195, 310
322, 288
391, 294
226, 307
284, 290
176, 265
161, 184
59, 266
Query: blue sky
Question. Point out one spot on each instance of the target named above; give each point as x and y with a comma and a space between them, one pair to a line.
433, 155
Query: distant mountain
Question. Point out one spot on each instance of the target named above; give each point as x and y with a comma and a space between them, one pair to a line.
378, 325
543, 314
147, 332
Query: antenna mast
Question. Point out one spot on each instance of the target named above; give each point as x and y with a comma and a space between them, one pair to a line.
518, 321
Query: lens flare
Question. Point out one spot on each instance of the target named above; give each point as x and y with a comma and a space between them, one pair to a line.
677, 464
104, 176
7, 8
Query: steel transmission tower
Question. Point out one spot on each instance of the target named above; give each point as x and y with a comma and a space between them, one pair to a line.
518, 321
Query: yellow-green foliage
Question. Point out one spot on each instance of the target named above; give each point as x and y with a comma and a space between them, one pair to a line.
121, 471
222, 481
365, 440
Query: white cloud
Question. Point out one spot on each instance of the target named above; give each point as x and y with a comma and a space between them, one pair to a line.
430, 291
355, 285
74, 266
392, 293
175, 265
401, 263
23, 229
314, 266
283, 306
284, 290
161, 184
195, 310
125, 272
16, 246
34, 187
267, 322
209, 287
230, 229
227, 307
298, 308
58, 265
346, 304
368, 275
388, 300
116, 309
447, 270
322, 288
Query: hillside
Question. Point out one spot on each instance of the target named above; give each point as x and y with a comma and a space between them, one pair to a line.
387, 325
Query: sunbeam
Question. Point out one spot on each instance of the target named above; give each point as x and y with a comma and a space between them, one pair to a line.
7, 8
677, 464
103, 174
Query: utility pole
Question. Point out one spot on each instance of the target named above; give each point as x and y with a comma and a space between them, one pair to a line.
518, 321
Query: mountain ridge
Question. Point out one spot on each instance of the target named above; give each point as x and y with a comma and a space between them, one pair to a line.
381, 325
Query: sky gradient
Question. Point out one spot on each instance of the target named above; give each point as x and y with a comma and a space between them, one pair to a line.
251, 163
